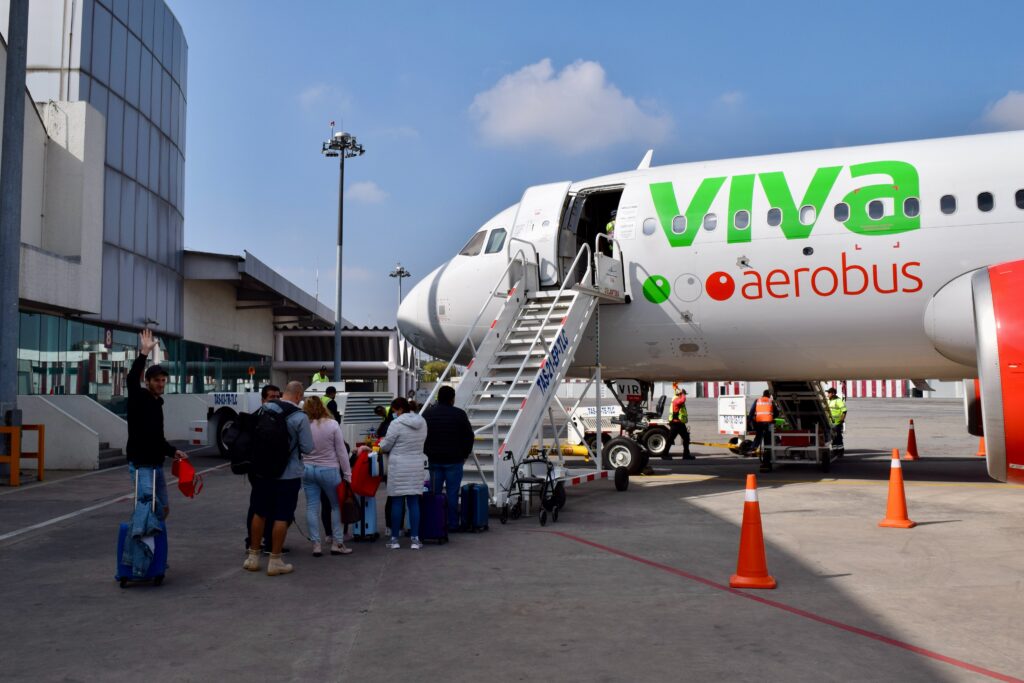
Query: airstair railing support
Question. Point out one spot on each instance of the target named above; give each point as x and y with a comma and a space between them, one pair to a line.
519, 256
587, 275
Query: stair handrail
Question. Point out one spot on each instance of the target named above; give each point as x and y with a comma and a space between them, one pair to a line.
518, 256
585, 249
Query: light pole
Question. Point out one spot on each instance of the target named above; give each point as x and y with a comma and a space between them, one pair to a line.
400, 272
343, 146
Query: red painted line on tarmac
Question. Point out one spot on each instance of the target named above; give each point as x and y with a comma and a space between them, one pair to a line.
796, 610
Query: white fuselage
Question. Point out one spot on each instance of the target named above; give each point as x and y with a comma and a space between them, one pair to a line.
812, 297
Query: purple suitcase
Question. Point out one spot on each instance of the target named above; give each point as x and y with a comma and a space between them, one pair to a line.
434, 518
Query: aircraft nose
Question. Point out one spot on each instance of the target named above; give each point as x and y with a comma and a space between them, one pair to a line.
414, 315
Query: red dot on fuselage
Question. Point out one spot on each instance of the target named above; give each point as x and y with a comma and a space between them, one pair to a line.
720, 286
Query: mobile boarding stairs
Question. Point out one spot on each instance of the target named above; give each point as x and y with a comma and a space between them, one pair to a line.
805, 408
508, 386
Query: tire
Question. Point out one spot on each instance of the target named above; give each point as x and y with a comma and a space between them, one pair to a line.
826, 460
225, 418
558, 495
591, 442
656, 440
517, 510
742, 446
621, 479
623, 452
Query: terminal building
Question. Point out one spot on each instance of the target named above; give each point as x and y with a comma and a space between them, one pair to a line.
102, 240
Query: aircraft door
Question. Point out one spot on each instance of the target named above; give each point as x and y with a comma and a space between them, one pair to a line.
537, 222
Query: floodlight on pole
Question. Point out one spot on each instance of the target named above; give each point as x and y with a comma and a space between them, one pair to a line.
400, 272
344, 146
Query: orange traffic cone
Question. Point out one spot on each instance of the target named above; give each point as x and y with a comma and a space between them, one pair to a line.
896, 509
911, 444
981, 448
751, 567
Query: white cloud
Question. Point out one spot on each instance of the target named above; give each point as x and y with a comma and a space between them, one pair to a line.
731, 98
1006, 113
313, 95
576, 110
366, 191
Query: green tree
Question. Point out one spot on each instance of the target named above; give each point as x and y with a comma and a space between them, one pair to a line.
433, 369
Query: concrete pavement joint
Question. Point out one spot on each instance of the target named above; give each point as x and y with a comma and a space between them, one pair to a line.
796, 611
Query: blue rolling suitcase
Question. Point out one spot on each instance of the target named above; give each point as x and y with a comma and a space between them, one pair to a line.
366, 529
474, 507
158, 565
434, 517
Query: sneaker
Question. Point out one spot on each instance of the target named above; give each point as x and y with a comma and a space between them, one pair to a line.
276, 566
252, 561
317, 550
416, 545
392, 544
339, 549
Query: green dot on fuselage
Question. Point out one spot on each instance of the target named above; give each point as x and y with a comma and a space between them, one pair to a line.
657, 289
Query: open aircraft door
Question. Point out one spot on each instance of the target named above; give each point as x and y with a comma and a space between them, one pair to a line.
537, 222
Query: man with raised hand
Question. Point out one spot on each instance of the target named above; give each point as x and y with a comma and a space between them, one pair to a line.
147, 447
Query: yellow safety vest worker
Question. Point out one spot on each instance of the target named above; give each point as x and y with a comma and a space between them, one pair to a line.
837, 408
679, 410
763, 410
610, 227
318, 377
325, 399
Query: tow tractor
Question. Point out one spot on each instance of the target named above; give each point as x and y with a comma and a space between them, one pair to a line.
358, 421
641, 432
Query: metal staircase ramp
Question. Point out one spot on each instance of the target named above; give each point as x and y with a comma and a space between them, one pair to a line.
511, 383
803, 404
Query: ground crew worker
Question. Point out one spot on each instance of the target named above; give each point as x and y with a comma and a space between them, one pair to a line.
837, 411
678, 426
609, 229
321, 376
763, 412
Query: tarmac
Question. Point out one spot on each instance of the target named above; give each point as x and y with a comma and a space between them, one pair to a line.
625, 586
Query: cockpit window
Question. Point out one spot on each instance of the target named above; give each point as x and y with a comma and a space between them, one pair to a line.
496, 241
472, 247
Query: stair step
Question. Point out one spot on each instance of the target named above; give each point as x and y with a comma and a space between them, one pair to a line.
111, 457
534, 364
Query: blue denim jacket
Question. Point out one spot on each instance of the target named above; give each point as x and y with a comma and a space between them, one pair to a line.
143, 527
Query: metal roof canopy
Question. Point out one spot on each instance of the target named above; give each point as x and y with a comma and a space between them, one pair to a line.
259, 286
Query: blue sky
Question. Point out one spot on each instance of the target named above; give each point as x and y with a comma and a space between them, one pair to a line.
462, 105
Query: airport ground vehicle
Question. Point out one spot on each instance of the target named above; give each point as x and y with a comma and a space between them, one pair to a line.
358, 421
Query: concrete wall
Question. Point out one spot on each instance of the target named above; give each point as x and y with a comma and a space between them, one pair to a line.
70, 444
212, 318
110, 427
63, 266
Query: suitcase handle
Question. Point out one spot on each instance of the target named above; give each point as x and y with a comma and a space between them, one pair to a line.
153, 490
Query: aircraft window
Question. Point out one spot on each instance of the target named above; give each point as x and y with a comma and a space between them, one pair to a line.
774, 217
679, 225
741, 220
947, 204
472, 247
710, 221
1020, 199
842, 212
496, 241
650, 225
808, 214
876, 209
985, 201
911, 207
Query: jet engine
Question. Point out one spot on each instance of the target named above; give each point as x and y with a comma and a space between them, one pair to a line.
998, 293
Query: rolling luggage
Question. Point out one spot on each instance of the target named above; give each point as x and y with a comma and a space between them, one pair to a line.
434, 517
474, 507
158, 565
366, 529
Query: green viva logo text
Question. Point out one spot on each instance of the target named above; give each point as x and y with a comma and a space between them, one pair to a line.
905, 183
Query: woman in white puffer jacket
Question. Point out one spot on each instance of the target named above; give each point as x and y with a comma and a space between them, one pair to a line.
404, 445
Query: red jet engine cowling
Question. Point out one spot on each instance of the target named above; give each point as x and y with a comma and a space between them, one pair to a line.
999, 325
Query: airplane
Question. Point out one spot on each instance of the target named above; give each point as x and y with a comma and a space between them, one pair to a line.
891, 260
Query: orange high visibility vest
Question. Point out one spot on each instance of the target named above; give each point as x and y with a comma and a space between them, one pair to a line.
763, 410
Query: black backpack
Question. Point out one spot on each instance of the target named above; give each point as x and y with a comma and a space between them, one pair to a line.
238, 440
262, 446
